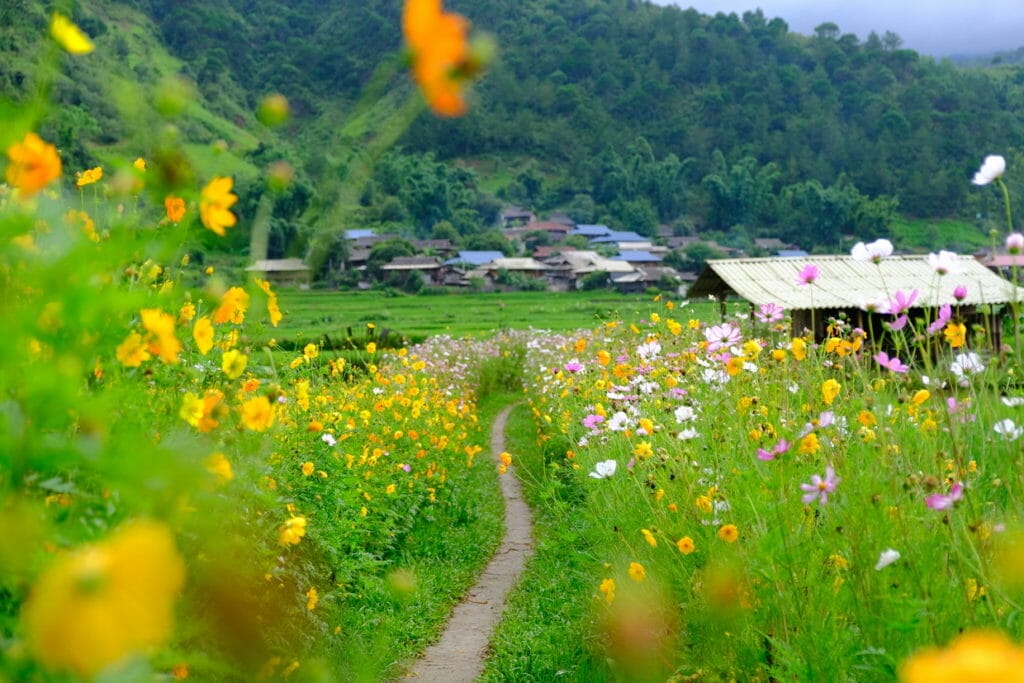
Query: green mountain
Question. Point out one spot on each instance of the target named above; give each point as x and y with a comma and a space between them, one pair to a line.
617, 111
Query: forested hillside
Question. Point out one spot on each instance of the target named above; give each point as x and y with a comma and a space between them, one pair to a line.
614, 110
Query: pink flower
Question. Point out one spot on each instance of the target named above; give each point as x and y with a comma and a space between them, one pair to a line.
808, 275
894, 363
819, 488
591, 421
769, 313
959, 292
945, 315
722, 336
897, 324
902, 302
779, 448
938, 501
573, 366
1015, 243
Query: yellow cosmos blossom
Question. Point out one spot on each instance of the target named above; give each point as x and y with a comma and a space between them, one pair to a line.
233, 306
292, 531
162, 341
920, 396
70, 37
310, 351
202, 332
174, 207
440, 51
829, 390
215, 204
729, 533
685, 545
607, 587
218, 464
809, 444
233, 363
798, 347
132, 351
258, 414
93, 607
649, 537
637, 572
956, 335
139, 164
307, 469
603, 357
202, 413
89, 176
272, 309
973, 656
371, 347
312, 597
34, 164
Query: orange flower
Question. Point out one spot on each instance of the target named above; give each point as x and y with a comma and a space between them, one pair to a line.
34, 164
215, 205
175, 207
439, 51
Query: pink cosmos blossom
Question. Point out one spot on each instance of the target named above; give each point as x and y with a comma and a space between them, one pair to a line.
897, 324
808, 274
591, 421
894, 364
945, 315
900, 303
722, 336
573, 366
939, 501
769, 313
819, 488
781, 447
960, 292
1015, 243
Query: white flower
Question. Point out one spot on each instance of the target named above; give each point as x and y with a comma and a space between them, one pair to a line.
619, 422
966, 364
886, 558
993, 167
1012, 401
1015, 243
328, 439
945, 262
879, 303
687, 434
604, 469
1008, 430
685, 414
875, 251
648, 350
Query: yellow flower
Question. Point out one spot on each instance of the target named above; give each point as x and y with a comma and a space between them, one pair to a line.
649, 537
311, 599
258, 414
637, 572
371, 347
685, 545
233, 363
94, 606
980, 656
233, 306
215, 204
162, 341
307, 468
829, 390
439, 49
292, 531
310, 351
729, 533
34, 164
132, 351
956, 335
139, 164
920, 397
70, 37
608, 588
88, 177
202, 332
174, 207
272, 309
603, 357
219, 465
799, 348
809, 444
643, 450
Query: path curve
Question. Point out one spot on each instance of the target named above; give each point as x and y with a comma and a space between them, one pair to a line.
459, 655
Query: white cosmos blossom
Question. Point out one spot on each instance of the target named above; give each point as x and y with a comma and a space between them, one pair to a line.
649, 350
945, 262
685, 414
1008, 429
619, 422
886, 558
874, 251
688, 433
993, 167
1012, 401
604, 469
328, 439
966, 364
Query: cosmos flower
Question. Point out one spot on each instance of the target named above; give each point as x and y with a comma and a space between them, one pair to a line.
887, 557
34, 164
993, 167
874, 251
939, 501
604, 469
215, 204
808, 274
894, 364
945, 262
819, 488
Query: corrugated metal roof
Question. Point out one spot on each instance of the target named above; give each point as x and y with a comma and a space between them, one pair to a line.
278, 265
846, 283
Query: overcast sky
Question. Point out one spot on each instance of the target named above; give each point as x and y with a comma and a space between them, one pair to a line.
934, 27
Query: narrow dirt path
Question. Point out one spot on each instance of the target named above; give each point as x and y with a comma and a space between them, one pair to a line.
458, 657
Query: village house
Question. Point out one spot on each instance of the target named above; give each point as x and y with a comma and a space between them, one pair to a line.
288, 272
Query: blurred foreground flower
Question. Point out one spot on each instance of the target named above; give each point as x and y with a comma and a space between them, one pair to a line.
33, 164
215, 205
95, 606
442, 62
978, 657
70, 37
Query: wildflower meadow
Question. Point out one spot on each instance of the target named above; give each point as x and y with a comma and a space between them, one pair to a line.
725, 500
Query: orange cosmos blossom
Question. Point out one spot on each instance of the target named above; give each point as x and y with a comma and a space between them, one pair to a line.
439, 51
215, 204
34, 164
88, 176
175, 208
